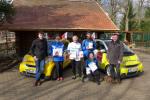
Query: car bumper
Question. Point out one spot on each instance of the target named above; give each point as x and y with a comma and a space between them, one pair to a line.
27, 74
133, 71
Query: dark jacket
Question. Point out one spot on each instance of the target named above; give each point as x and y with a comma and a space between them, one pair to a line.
39, 48
115, 52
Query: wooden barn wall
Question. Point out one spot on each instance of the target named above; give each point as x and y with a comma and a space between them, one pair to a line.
23, 41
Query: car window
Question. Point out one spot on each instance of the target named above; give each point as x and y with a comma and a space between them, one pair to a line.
100, 45
126, 49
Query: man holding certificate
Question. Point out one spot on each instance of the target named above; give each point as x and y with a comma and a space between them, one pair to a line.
56, 51
75, 54
88, 45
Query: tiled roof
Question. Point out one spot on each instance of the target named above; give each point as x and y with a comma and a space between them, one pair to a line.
59, 15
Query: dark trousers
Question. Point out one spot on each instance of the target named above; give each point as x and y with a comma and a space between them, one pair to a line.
76, 67
39, 68
115, 71
95, 75
84, 67
59, 68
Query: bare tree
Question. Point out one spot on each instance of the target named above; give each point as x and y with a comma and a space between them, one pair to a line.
139, 12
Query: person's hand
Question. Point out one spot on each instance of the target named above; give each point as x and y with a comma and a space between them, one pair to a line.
67, 56
119, 62
56, 54
35, 58
87, 47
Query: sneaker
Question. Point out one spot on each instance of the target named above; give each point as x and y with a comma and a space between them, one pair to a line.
80, 78
98, 82
58, 79
118, 81
36, 83
101, 79
39, 83
61, 78
74, 77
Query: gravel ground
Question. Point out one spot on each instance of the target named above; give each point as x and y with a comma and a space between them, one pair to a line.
16, 87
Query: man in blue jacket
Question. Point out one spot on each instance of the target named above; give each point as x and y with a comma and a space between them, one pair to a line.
88, 45
56, 51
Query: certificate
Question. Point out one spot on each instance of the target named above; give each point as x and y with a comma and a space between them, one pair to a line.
58, 51
92, 66
90, 45
88, 71
73, 54
81, 54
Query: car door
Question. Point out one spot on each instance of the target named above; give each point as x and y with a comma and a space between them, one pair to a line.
102, 55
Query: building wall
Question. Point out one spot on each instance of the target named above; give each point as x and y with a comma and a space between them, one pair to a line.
23, 41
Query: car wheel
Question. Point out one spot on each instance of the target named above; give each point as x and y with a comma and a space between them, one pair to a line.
22, 73
54, 74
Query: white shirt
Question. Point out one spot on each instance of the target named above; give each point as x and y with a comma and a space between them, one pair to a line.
74, 51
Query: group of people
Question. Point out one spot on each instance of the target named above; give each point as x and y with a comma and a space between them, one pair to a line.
83, 60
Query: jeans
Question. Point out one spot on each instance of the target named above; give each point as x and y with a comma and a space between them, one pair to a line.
76, 66
115, 71
39, 68
59, 68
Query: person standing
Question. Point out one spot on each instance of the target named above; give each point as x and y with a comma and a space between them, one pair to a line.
88, 45
115, 55
74, 51
39, 51
56, 51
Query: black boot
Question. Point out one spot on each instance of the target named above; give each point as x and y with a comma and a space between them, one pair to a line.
98, 82
36, 83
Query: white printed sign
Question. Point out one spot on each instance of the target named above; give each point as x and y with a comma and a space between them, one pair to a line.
92, 66
58, 51
90, 45
73, 54
88, 71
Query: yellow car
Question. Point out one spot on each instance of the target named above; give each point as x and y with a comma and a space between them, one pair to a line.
27, 67
130, 65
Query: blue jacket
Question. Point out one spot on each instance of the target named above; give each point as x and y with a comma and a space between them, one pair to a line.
56, 44
85, 43
88, 61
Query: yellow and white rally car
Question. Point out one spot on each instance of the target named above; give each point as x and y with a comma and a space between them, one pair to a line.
28, 66
130, 66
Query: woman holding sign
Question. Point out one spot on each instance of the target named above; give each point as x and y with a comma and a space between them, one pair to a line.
56, 51
75, 54
92, 68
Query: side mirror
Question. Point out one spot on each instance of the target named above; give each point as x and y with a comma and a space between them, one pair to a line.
102, 50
